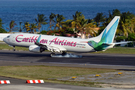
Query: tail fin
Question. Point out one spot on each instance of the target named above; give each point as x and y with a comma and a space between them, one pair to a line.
107, 36
105, 39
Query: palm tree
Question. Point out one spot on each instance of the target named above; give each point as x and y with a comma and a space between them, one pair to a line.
20, 27
41, 20
92, 29
59, 19
76, 20
133, 23
11, 25
87, 29
116, 12
33, 27
99, 18
67, 24
27, 26
51, 17
82, 27
1, 23
126, 24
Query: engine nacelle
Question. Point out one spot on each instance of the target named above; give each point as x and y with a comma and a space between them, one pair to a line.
34, 48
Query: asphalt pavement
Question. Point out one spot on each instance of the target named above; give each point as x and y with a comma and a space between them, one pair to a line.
112, 61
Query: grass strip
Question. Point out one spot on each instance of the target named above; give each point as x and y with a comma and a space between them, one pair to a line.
51, 73
7, 47
119, 50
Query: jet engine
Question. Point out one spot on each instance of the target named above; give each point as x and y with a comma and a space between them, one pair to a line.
35, 48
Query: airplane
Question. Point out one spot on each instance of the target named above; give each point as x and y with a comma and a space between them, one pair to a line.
3, 35
40, 43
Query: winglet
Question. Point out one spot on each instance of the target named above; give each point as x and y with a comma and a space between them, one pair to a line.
38, 40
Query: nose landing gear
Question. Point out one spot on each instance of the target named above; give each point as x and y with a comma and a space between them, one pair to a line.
13, 48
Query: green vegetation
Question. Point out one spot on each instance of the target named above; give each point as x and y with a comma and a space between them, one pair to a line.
93, 27
50, 73
7, 47
119, 50
41, 20
1, 23
11, 26
1, 29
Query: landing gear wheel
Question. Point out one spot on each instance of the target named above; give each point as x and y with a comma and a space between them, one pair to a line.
13, 48
64, 53
52, 53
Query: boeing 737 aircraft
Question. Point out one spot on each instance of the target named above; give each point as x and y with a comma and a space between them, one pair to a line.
40, 43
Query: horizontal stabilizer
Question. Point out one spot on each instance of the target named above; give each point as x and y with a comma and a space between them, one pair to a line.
122, 42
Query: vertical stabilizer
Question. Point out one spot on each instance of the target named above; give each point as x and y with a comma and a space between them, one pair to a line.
108, 34
105, 39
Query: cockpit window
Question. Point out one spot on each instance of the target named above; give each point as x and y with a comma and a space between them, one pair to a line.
8, 36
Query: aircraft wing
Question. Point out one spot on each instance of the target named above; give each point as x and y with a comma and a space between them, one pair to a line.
50, 47
55, 48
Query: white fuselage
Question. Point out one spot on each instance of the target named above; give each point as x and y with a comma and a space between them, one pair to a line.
70, 44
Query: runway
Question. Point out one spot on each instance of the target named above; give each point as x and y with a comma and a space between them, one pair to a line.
112, 61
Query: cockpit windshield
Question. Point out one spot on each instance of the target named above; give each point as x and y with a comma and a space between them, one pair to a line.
8, 36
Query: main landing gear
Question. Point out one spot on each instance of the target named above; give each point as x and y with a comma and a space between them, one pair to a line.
65, 55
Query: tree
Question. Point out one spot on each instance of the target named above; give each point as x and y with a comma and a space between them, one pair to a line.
87, 29
59, 19
1, 23
131, 37
2, 30
51, 17
126, 15
92, 29
82, 27
116, 12
33, 27
122, 31
76, 20
41, 20
11, 25
27, 26
66, 24
126, 24
20, 27
99, 18
43, 32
